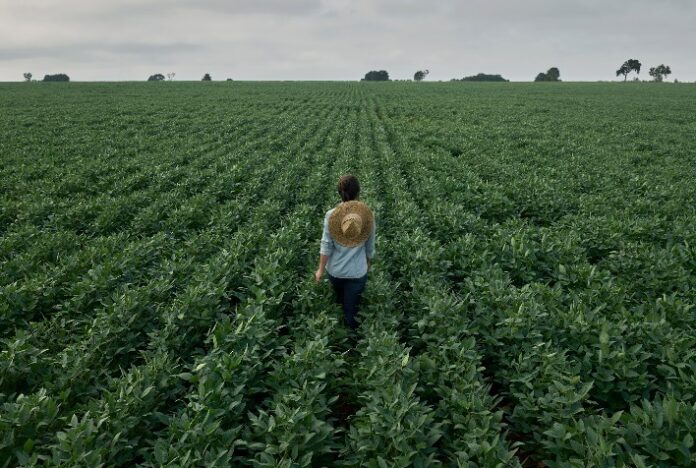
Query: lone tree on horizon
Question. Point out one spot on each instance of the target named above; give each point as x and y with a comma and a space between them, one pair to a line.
420, 75
631, 65
207, 77
57, 77
156, 77
27, 77
374, 75
660, 72
483, 77
553, 74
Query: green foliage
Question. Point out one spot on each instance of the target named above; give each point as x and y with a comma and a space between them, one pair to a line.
484, 77
420, 75
659, 433
532, 298
25, 426
57, 77
631, 65
553, 74
374, 75
660, 72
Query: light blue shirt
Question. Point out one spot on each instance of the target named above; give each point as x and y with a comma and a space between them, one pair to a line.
346, 262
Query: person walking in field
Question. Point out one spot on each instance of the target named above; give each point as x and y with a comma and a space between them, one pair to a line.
347, 248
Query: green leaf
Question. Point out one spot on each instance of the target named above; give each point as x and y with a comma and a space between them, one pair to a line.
28, 445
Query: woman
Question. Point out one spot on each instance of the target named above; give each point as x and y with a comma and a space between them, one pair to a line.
347, 248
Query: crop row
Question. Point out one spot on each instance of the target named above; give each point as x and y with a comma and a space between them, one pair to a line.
168, 339
546, 381
447, 361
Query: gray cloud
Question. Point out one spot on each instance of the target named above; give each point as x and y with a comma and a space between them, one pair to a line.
95, 51
342, 39
246, 7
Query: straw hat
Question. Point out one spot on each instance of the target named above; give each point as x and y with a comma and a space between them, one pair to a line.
350, 223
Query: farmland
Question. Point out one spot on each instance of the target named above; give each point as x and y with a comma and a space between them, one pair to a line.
532, 298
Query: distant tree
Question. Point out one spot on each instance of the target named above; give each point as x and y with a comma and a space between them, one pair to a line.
156, 77
655, 74
374, 75
420, 75
484, 77
57, 77
170, 76
27, 77
631, 65
207, 77
229, 79
554, 74
660, 72
666, 70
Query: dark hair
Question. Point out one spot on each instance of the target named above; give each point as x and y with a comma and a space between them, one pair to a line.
348, 188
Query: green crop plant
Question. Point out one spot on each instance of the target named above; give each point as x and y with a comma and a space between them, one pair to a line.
532, 300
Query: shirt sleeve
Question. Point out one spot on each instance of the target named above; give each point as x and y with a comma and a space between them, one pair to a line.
370, 243
327, 245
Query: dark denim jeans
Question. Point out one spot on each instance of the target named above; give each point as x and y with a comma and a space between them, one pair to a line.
348, 293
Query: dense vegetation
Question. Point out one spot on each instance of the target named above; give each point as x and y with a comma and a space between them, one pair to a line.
532, 299
57, 77
484, 77
553, 74
376, 75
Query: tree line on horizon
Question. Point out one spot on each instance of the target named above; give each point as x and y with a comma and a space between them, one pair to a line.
170, 77
57, 77
553, 74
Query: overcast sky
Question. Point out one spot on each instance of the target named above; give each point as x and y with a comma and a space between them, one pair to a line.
342, 39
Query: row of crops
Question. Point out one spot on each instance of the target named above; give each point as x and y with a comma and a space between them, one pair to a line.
532, 301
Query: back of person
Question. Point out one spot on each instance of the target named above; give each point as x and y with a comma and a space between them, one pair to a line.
347, 248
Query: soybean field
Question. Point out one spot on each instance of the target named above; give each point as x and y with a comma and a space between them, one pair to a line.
532, 300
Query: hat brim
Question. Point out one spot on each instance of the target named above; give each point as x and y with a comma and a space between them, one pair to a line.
338, 214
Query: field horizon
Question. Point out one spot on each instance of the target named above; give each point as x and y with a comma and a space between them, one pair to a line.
358, 80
